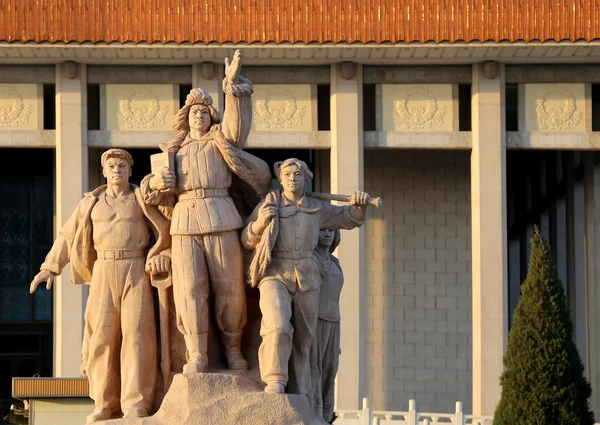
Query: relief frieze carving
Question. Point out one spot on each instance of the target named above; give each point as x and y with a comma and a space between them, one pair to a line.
416, 117
278, 110
557, 118
13, 111
151, 115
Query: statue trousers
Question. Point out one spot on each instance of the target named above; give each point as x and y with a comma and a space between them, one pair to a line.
288, 325
198, 261
325, 357
122, 364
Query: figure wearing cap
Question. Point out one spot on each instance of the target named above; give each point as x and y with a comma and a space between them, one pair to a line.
120, 246
210, 168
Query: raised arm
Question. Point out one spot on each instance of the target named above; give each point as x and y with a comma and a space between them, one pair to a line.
237, 118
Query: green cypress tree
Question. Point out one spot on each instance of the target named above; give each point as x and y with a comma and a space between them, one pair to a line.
544, 382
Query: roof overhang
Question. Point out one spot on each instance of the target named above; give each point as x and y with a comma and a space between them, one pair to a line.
302, 54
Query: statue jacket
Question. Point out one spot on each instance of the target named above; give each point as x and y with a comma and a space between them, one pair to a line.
284, 252
206, 169
75, 242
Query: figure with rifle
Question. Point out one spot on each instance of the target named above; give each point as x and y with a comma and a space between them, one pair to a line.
281, 234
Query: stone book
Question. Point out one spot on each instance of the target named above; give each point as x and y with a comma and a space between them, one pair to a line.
161, 161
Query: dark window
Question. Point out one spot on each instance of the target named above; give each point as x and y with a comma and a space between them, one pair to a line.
49, 106
464, 107
512, 107
26, 234
184, 90
369, 102
595, 107
324, 107
93, 106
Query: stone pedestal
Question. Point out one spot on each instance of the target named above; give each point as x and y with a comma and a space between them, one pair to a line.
225, 399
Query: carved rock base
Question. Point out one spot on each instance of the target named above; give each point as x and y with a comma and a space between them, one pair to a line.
225, 399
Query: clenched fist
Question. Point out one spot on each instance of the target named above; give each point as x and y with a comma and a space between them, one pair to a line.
158, 264
163, 181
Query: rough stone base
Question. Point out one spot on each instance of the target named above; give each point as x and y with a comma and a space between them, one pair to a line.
225, 399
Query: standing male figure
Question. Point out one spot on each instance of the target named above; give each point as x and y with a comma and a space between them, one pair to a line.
107, 239
283, 231
205, 222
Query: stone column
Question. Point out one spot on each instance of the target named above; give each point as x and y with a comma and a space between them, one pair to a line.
347, 175
209, 77
489, 239
71, 183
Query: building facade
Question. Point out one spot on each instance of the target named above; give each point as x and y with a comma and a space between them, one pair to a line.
472, 120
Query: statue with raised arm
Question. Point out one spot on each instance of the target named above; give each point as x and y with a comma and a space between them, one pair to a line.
282, 233
120, 246
198, 196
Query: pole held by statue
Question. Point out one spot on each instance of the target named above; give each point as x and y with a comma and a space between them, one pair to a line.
376, 202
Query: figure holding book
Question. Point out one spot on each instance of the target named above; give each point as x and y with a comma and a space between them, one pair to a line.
196, 195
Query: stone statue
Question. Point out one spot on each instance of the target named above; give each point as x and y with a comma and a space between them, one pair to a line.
282, 233
119, 245
205, 222
326, 346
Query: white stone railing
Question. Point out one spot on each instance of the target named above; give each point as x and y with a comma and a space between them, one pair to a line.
366, 416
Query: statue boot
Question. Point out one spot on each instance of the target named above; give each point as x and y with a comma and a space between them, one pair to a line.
232, 342
197, 346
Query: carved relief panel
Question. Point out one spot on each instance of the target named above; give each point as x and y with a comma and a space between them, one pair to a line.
555, 107
21, 107
289, 107
138, 107
417, 107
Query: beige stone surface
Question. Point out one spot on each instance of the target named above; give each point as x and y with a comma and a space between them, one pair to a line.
417, 107
284, 107
71, 182
53, 411
134, 107
489, 238
347, 174
21, 107
418, 281
555, 107
225, 399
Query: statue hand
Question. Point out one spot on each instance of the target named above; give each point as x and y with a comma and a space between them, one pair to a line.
265, 214
163, 181
83, 368
232, 67
159, 264
43, 276
359, 199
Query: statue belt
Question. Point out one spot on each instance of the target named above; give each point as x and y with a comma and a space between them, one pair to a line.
119, 254
292, 255
203, 193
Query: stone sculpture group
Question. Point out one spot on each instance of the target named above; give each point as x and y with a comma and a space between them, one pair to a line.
202, 229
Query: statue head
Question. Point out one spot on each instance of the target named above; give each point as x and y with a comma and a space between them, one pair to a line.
116, 166
293, 174
329, 238
197, 104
